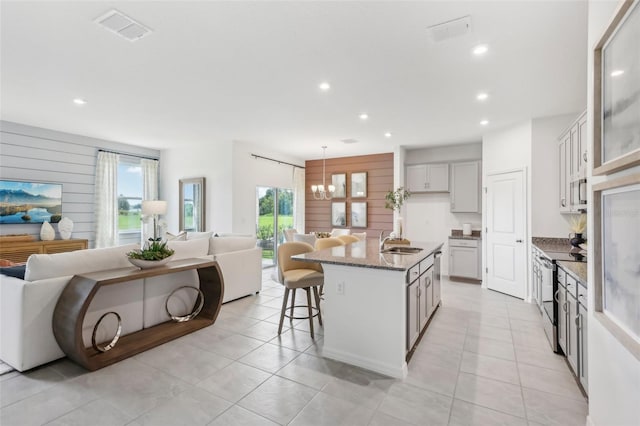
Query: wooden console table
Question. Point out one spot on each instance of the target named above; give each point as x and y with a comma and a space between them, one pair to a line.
76, 297
19, 251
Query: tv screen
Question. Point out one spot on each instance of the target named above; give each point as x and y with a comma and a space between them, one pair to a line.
30, 202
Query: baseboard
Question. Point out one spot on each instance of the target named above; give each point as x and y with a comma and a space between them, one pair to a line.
366, 363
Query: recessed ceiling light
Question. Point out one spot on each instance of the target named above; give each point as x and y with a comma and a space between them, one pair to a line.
324, 86
481, 49
482, 96
364, 116
79, 101
617, 73
484, 122
387, 135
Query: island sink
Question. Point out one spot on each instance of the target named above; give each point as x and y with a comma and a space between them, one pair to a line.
401, 250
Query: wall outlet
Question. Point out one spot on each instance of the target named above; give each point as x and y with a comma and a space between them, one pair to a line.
340, 288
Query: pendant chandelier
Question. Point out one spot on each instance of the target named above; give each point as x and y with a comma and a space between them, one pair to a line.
319, 192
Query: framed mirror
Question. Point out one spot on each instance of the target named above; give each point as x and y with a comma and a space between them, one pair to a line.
192, 205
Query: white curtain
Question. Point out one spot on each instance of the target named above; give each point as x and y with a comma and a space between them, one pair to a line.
149, 192
298, 199
106, 198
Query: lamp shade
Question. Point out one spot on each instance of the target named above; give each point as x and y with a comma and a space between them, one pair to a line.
154, 207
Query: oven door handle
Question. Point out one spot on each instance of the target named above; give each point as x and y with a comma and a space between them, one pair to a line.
555, 296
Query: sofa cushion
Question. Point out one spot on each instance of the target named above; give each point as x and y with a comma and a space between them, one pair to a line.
190, 248
197, 235
180, 236
14, 271
227, 244
42, 266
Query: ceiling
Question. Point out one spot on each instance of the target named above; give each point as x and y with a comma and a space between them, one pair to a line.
214, 72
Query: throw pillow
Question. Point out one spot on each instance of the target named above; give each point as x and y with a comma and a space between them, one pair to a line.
14, 271
180, 236
197, 235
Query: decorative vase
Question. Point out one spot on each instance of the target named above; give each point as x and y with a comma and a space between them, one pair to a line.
576, 240
397, 229
148, 264
47, 233
65, 228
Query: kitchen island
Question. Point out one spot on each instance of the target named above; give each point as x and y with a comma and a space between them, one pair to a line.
376, 304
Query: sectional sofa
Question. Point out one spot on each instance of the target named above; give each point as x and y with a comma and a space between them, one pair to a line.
27, 305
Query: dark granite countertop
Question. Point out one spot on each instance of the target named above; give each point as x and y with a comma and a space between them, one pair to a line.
577, 269
366, 254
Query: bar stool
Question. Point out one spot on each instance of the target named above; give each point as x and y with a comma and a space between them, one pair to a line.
294, 274
348, 239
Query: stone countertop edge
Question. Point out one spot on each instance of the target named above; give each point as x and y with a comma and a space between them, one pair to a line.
577, 270
465, 237
366, 254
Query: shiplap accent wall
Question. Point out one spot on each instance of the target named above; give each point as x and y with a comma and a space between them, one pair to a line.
379, 168
36, 154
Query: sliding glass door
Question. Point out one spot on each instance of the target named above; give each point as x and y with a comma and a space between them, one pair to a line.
275, 213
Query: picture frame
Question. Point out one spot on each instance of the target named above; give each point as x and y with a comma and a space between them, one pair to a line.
30, 202
616, 128
359, 185
616, 206
339, 180
339, 214
359, 214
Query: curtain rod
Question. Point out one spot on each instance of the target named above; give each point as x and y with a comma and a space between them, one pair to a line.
129, 154
276, 161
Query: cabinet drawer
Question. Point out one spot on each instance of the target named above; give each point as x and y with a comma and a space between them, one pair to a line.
463, 243
426, 264
562, 277
572, 287
413, 273
582, 296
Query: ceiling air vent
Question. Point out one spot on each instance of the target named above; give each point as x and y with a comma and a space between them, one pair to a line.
122, 25
450, 29
349, 141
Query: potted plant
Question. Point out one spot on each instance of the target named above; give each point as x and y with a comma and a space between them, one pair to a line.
394, 201
577, 224
154, 253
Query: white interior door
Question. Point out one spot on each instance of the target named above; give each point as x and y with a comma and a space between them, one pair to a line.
505, 233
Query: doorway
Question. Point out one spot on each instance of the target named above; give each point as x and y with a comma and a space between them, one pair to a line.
505, 231
274, 207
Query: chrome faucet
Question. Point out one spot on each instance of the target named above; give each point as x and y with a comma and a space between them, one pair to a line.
383, 240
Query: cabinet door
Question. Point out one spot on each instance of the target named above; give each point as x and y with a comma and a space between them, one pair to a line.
465, 187
574, 153
564, 181
463, 262
426, 304
582, 146
572, 332
436, 289
438, 177
416, 180
561, 297
413, 292
582, 348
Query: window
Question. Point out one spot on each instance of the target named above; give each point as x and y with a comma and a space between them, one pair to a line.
130, 185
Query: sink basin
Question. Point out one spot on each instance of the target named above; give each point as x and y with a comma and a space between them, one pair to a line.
401, 250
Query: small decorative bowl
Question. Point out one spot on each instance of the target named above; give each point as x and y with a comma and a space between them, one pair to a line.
147, 264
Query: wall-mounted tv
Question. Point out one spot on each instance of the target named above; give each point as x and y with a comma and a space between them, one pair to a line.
30, 202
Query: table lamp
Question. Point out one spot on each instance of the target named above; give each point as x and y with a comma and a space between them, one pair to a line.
154, 208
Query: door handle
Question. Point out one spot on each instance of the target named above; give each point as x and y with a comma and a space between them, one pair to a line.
555, 296
518, 241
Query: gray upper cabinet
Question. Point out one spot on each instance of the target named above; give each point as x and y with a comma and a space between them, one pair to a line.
427, 178
465, 187
572, 159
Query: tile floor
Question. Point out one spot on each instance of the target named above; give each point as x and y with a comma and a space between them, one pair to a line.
483, 361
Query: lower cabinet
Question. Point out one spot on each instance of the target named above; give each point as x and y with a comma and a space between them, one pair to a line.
561, 297
423, 296
572, 330
582, 347
464, 258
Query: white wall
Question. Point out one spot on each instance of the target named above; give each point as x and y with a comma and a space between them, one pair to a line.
428, 217
249, 173
214, 163
546, 220
614, 373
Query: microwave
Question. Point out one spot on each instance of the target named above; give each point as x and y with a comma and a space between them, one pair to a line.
579, 193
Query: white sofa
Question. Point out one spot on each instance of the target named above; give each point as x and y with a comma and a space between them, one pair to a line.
26, 306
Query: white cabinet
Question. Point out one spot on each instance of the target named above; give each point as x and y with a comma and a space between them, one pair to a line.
465, 187
427, 178
561, 298
572, 326
464, 258
413, 323
572, 161
583, 365
421, 300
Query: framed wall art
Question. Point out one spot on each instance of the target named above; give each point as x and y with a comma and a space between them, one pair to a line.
339, 213
616, 130
616, 205
359, 215
340, 182
359, 185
